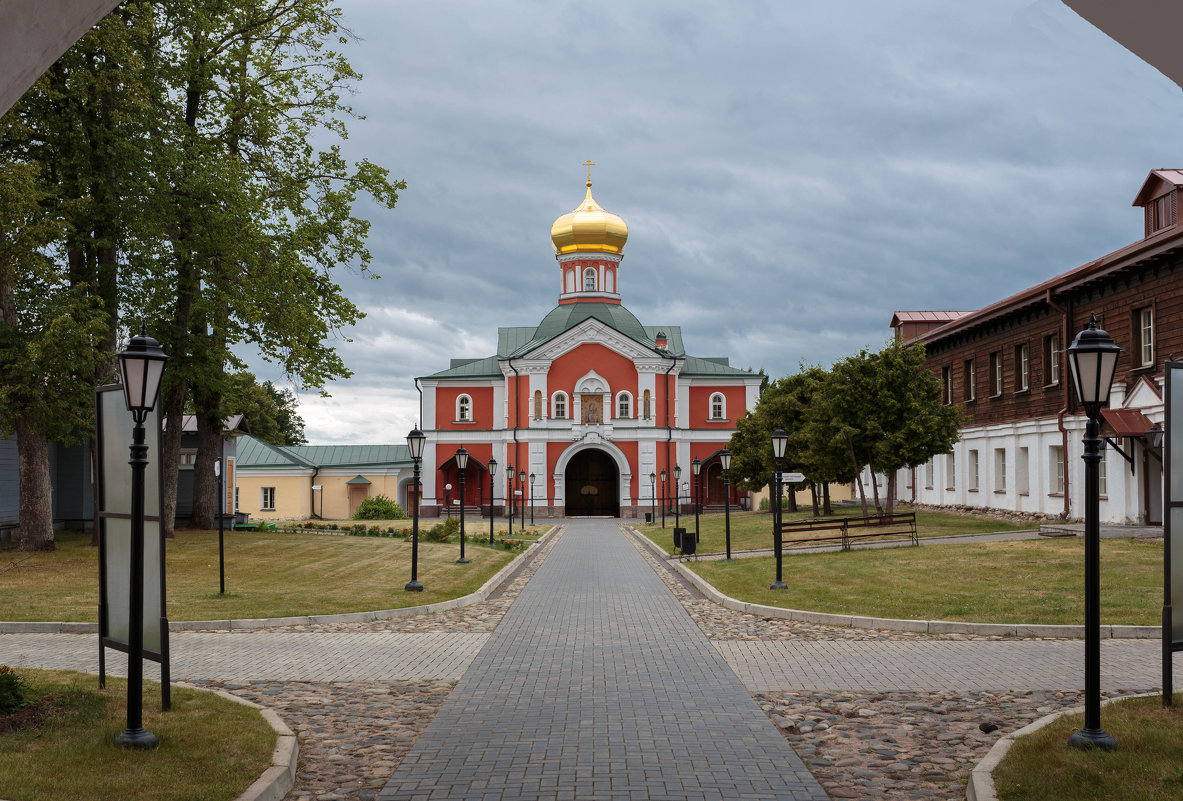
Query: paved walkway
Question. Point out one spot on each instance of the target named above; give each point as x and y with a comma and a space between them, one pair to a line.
597, 685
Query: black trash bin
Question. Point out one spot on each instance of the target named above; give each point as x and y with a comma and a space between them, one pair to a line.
648, 517
689, 546
678, 532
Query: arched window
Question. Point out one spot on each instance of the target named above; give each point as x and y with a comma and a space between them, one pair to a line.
570, 280
718, 406
463, 409
558, 404
537, 404
645, 405
624, 405
589, 279
609, 281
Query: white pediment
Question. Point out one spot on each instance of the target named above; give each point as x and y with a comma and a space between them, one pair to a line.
1143, 394
592, 331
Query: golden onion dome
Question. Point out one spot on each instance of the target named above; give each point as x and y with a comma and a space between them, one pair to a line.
588, 228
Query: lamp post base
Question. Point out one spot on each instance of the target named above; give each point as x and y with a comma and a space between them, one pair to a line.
413, 586
136, 738
461, 561
1092, 738
778, 585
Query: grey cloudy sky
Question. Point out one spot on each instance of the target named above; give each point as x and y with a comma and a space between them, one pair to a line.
791, 172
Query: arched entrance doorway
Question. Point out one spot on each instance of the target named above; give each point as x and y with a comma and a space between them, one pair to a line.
592, 484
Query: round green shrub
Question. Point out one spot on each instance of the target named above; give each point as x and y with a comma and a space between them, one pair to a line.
378, 507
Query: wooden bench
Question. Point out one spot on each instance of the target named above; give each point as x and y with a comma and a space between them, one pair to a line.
895, 525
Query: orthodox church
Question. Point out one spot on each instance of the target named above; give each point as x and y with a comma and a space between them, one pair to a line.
583, 412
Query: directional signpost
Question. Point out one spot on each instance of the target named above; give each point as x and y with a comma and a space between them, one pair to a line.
792, 478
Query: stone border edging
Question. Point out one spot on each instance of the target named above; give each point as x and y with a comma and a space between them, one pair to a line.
277, 780
49, 627
981, 779
1020, 630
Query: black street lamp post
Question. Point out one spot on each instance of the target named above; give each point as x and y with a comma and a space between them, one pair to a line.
663, 495
415, 442
677, 497
531, 499
1092, 359
653, 489
522, 485
462, 463
780, 441
492, 474
509, 492
696, 468
725, 460
141, 365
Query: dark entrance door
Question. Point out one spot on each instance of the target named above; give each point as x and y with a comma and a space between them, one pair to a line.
593, 485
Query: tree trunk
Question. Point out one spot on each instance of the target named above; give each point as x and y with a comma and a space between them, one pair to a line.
858, 475
891, 487
827, 508
36, 490
205, 483
170, 456
813, 497
874, 485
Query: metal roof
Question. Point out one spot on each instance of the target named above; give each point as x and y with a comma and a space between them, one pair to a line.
925, 317
254, 452
716, 366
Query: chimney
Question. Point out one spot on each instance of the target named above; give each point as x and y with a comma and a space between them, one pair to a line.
661, 341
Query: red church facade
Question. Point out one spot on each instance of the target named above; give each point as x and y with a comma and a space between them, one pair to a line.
588, 405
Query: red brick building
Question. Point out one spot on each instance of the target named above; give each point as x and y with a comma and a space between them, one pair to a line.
1021, 444
590, 401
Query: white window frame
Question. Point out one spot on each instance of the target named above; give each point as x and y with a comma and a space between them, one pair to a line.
950, 471
1000, 469
1103, 473
973, 470
624, 405
589, 277
1022, 368
1023, 471
464, 410
947, 380
971, 382
1055, 455
572, 280
1146, 335
929, 471
996, 371
717, 398
559, 406
264, 492
1053, 359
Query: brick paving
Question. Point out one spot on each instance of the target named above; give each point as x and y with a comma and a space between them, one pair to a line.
599, 686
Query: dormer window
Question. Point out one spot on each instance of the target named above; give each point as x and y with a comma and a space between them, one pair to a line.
1162, 210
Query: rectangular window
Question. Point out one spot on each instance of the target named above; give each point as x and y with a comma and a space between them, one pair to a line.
1103, 472
970, 380
267, 499
1051, 359
1055, 457
947, 384
1000, 470
1146, 336
1162, 212
1022, 472
1022, 368
973, 471
929, 469
996, 371
950, 472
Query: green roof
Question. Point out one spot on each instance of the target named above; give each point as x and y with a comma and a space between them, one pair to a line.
562, 319
711, 366
471, 368
256, 453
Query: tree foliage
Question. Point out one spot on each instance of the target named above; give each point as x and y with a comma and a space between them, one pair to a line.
881, 409
270, 413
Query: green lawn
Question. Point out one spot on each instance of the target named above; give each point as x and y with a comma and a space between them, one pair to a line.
210, 749
268, 574
1026, 581
1146, 766
753, 530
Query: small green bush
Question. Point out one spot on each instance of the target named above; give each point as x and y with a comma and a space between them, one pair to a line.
13, 692
378, 507
442, 532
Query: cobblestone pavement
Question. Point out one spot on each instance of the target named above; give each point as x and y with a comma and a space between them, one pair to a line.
913, 736
597, 686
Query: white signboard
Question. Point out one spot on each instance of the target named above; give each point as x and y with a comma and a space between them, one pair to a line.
792, 478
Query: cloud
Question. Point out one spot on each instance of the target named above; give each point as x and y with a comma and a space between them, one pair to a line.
791, 173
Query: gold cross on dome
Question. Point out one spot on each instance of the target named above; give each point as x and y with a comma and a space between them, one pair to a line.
589, 164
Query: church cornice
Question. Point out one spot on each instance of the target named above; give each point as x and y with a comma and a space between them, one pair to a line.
563, 258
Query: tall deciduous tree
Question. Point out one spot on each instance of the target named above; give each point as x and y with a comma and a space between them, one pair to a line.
271, 413
50, 334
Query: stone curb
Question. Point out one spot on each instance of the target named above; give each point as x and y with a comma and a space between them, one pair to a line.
981, 778
43, 627
277, 780
1019, 630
